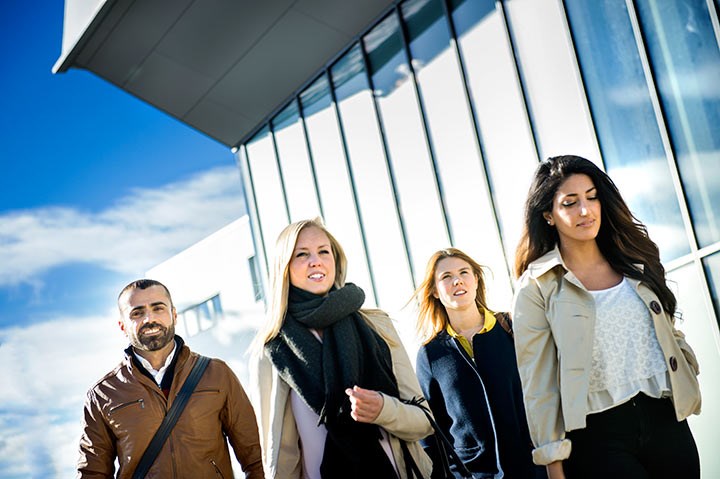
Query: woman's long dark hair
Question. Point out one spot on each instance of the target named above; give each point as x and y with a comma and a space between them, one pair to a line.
622, 239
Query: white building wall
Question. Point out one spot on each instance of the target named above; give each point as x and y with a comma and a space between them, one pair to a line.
217, 265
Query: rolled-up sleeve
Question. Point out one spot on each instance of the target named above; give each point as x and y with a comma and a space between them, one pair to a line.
538, 367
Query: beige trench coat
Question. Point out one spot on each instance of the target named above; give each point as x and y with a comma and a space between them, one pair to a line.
279, 437
553, 323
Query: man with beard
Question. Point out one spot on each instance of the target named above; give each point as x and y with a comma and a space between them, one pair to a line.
125, 408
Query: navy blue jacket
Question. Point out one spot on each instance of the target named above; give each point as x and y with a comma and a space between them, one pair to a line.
478, 404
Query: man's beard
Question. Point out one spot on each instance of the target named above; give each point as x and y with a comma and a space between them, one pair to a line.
154, 343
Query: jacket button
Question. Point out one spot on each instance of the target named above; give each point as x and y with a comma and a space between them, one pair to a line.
673, 363
655, 306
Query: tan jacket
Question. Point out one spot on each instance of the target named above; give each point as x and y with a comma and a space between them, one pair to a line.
278, 433
125, 408
553, 323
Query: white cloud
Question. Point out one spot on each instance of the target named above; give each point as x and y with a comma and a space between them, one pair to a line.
142, 229
45, 370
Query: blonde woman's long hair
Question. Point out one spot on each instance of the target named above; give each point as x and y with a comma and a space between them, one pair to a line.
280, 276
433, 317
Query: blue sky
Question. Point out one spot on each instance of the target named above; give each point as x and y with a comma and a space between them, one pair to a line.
96, 187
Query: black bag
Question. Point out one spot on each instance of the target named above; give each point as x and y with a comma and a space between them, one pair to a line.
446, 451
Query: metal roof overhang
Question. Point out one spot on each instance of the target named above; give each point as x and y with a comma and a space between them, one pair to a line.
220, 66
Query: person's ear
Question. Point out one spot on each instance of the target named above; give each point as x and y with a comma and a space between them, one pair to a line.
548, 217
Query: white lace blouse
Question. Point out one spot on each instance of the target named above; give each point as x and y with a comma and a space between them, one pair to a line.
626, 358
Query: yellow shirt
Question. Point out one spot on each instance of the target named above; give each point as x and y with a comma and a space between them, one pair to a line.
467, 345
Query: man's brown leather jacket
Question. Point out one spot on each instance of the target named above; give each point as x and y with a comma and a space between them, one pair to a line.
125, 408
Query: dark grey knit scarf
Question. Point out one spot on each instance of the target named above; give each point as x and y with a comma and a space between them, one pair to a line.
351, 353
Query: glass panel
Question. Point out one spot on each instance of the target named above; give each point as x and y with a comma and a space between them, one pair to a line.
258, 239
686, 64
372, 183
333, 181
406, 142
455, 144
555, 98
712, 271
700, 328
295, 163
269, 196
505, 133
255, 278
625, 120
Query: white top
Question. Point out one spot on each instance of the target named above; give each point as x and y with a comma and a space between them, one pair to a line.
626, 358
158, 375
313, 435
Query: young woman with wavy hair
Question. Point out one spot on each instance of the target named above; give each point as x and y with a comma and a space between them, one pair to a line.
607, 379
327, 377
468, 373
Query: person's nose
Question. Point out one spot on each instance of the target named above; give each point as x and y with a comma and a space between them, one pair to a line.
314, 260
457, 280
583, 209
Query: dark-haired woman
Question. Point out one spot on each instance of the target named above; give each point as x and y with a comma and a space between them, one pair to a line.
607, 379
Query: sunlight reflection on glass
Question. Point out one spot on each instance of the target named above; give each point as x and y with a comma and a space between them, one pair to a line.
504, 126
407, 144
295, 163
334, 182
269, 195
393, 282
460, 169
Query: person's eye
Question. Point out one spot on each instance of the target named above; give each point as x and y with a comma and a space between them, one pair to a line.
300, 254
135, 314
592, 198
324, 251
159, 308
568, 203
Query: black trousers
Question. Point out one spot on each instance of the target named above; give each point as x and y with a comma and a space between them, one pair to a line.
640, 439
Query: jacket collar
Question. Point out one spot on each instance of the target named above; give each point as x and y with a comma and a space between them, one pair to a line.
552, 259
545, 263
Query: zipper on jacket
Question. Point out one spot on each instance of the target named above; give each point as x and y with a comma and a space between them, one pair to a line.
217, 469
140, 401
501, 473
200, 391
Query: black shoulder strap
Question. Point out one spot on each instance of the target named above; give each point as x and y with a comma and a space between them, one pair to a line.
171, 417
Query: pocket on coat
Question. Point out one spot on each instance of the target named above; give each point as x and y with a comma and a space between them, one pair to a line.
572, 331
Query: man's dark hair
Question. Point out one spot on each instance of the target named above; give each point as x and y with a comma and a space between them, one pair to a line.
144, 284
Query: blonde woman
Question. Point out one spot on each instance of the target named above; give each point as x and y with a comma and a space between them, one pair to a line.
468, 373
327, 377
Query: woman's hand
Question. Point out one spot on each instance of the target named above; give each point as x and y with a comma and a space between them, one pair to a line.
366, 404
555, 470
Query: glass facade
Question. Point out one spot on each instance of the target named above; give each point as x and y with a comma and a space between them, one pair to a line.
374, 182
424, 133
686, 65
625, 117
